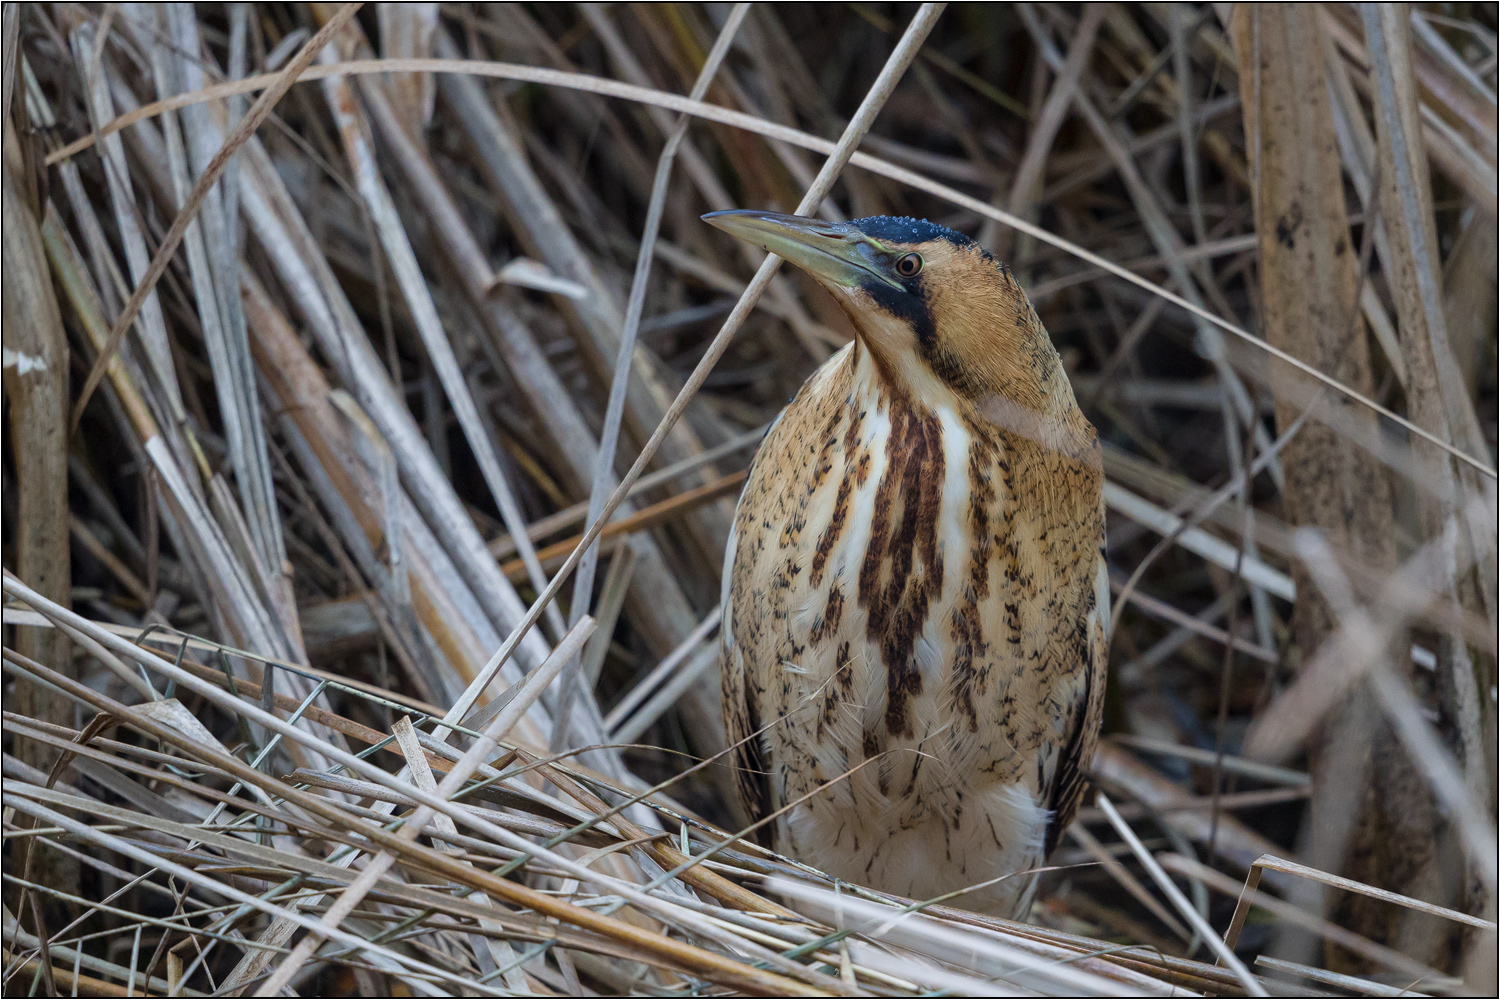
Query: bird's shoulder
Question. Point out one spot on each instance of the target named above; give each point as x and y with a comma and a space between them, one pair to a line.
785, 469
822, 399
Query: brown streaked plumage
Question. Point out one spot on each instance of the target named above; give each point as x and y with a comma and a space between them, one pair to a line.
916, 577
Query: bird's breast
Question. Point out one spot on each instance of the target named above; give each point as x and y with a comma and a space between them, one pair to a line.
908, 580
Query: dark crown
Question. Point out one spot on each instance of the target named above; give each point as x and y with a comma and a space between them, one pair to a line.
903, 229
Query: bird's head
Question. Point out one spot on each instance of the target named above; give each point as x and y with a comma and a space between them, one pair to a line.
935, 310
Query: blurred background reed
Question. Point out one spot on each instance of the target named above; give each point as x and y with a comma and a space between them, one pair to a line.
305, 388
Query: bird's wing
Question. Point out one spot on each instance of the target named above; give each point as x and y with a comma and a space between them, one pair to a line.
1087, 713
752, 776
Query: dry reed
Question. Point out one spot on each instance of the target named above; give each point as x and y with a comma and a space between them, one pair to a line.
376, 403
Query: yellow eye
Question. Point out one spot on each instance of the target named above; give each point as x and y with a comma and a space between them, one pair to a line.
909, 266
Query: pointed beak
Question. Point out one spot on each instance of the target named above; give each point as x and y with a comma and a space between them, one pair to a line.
835, 252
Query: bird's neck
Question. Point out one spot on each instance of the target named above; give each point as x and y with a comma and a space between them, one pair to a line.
1043, 410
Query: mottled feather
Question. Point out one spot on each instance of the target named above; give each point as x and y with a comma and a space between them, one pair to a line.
915, 596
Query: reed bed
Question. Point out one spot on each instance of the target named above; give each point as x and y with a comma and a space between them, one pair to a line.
376, 405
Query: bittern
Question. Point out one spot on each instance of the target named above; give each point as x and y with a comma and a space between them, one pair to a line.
915, 597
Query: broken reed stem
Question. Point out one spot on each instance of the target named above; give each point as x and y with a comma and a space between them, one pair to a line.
536, 682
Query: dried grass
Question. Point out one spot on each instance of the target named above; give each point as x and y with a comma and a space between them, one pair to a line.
311, 687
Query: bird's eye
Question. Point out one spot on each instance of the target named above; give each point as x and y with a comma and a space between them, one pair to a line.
909, 266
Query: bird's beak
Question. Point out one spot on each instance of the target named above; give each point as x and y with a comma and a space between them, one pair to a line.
833, 251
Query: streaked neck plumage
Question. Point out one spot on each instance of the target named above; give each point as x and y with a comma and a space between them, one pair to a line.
1034, 401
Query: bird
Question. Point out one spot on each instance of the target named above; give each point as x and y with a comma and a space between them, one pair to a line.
915, 600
